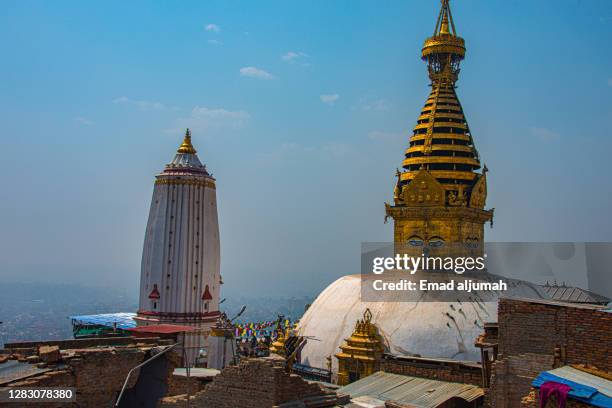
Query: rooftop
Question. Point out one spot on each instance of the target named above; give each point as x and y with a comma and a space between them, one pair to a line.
552, 302
13, 370
574, 294
415, 391
113, 320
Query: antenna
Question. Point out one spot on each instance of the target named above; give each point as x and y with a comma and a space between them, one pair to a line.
242, 309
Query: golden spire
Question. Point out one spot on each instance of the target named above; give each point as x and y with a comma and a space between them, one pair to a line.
442, 142
441, 162
444, 26
444, 18
186, 146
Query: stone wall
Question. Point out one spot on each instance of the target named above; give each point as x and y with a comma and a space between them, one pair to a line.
442, 370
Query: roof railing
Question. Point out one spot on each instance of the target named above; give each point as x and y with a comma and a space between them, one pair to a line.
127, 378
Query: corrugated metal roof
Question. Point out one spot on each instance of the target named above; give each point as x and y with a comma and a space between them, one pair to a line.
365, 402
426, 360
552, 302
574, 294
420, 392
113, 320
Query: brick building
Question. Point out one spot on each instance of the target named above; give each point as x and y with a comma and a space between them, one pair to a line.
538, 335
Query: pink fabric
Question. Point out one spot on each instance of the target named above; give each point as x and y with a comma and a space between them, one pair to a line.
550, 388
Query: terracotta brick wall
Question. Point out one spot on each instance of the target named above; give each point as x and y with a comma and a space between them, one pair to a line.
97, 374
583, 333
178, 385
435, 370
255, 383
82, 343
511, 378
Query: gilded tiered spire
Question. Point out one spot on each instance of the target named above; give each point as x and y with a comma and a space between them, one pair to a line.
441, 161
186, 146
186, 160
441, 142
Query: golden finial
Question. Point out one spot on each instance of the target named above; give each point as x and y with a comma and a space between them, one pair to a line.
186, 146
443, 42
444, 25
445, 20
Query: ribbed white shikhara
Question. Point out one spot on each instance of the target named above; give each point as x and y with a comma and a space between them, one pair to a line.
180, 273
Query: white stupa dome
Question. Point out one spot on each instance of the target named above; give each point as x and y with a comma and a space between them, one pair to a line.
419, 328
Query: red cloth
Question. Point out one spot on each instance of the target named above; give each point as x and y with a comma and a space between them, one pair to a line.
550, 388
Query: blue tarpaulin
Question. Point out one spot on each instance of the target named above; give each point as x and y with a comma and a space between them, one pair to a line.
585, 387
112, 320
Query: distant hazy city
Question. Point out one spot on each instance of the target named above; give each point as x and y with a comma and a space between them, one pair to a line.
40, 311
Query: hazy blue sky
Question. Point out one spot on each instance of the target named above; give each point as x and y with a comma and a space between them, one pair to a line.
302, 110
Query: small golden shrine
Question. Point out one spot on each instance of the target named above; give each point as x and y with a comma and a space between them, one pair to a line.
361, 353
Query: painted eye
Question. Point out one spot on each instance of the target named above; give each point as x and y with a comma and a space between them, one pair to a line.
436, 242
415, 241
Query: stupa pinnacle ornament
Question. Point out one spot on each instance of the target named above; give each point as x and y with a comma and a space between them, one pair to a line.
439, 197
180, 272
186, 146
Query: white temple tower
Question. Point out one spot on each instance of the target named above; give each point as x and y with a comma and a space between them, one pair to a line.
180, 274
